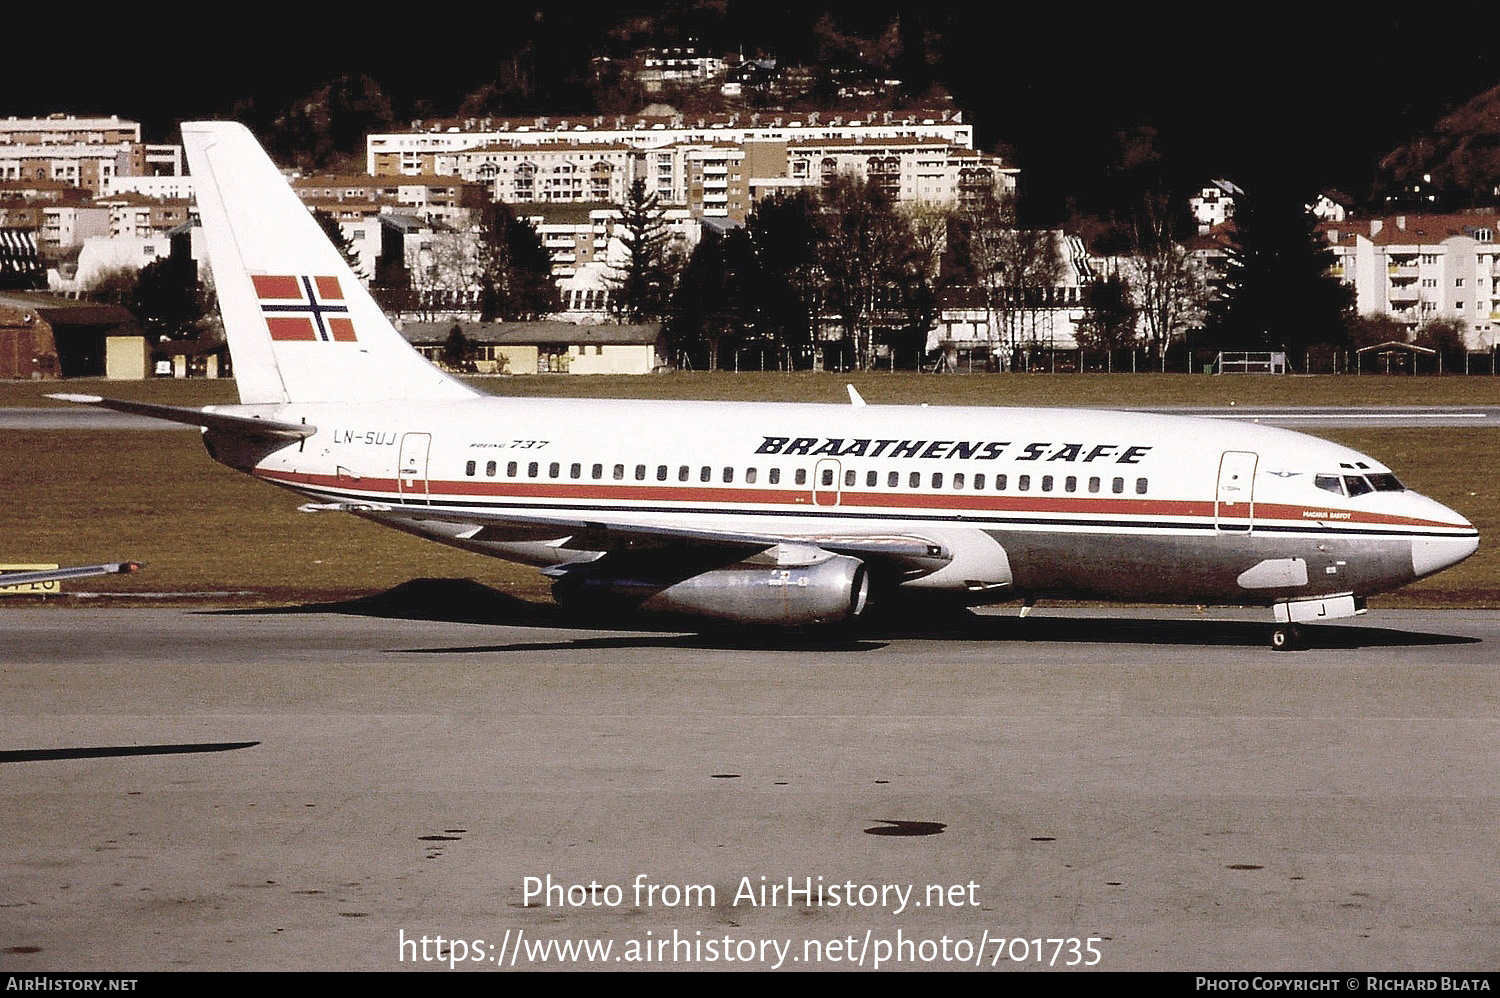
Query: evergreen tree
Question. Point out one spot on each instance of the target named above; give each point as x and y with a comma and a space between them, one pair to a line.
716, 307
784, 231
642, 284
514, 268
341, 242
167, 298
1278, 291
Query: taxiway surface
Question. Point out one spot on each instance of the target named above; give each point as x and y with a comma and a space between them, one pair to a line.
322, 790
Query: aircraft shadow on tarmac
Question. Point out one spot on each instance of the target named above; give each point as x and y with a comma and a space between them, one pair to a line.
466, 601
114, 751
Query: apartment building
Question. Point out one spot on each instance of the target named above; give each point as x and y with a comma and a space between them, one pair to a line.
87, 152
416, 150
1418, 268
436, 199
546, 172
715, 167
132, 215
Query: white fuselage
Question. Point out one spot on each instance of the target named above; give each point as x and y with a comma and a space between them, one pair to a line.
1025, 502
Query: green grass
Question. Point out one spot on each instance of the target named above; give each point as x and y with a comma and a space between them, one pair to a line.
1091, 390
155, 496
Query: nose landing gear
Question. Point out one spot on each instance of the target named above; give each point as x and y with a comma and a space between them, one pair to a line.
1287, 637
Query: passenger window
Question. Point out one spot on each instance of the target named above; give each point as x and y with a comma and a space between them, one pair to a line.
871, 478
801, 476
979, 481
849, 478
705, 474
619, 472
827, 477
958, 480
1117, 486
775, 476
1000, 481
1023, 483
640, 472
1329, 483
893, 480
915, 480
1046, 483
489, 469
937, 479
682, 473
533, 469
661, 473
598, 472
1140, 486
510, 469
575, 471
1070, 484
1094, 484
554, 469
469, 469
749, 476
728, 475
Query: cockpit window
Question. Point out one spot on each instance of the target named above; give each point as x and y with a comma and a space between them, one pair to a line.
1358, 485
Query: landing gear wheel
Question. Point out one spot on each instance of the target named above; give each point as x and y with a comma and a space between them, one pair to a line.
1286, 637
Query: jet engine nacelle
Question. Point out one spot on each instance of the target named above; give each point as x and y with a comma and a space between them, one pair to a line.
828, 591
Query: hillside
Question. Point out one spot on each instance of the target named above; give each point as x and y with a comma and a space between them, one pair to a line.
1460, 155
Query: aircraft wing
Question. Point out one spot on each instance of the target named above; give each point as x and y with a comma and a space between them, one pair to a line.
904, 554
60, 574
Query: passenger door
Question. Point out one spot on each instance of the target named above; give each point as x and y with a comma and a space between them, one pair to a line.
411, 471
1234, 500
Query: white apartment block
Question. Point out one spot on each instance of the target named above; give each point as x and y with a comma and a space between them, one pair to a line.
1418, 268
435, 199
414, 151
66, 225
547, 172
162, 188
715, 165
88, 153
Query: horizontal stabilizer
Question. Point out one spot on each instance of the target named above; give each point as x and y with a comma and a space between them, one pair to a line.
253, 426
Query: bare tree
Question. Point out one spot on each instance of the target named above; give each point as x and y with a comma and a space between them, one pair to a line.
865, 246
1168, 287
444, 273
1029, 272
1017, 271
987, 222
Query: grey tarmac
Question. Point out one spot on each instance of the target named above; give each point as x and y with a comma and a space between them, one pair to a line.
308, 789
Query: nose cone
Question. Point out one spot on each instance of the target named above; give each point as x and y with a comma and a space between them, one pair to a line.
1433, 554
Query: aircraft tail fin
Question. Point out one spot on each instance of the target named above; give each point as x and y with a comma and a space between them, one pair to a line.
301, 326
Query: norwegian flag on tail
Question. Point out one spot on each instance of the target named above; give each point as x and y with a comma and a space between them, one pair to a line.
304, 308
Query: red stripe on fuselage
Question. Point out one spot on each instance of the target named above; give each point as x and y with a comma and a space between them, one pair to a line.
770, 501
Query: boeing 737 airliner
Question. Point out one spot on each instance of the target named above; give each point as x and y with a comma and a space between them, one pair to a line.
771, 513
